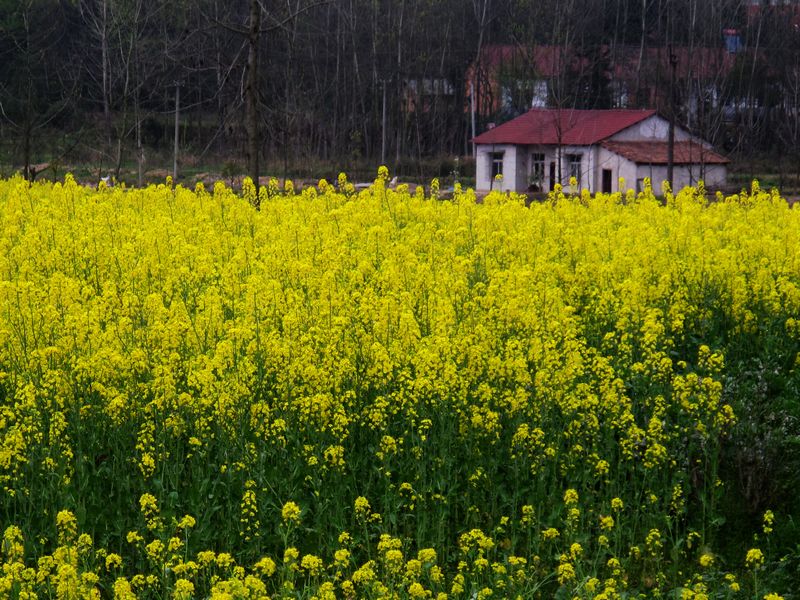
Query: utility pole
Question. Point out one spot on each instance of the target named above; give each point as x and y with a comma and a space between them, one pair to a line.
472, 115
673, 63
177, 129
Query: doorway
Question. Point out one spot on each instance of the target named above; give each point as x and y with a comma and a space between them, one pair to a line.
606, 187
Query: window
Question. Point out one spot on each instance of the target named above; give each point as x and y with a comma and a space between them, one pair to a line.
537, 172
574, 161
497, 164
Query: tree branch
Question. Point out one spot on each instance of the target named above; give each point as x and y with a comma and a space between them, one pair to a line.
277, 24
282, 24
6, 117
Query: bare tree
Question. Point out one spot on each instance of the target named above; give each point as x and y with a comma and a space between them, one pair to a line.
34, 94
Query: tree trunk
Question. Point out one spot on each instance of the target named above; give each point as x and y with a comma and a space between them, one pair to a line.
251, 93
139, 147
177, 131
27, 130
106, 80
673, 62
26, 148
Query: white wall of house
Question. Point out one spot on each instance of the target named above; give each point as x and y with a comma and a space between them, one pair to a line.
657, 174
715, 175
521, 170
513, 167
619, 167
586, 175
547, 156
652, 129
551, 155
518, 165
683, 176
593, 160
483, 167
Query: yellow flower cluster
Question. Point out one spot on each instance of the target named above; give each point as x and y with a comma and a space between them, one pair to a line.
290, 512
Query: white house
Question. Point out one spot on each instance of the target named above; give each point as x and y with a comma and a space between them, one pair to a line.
545, 146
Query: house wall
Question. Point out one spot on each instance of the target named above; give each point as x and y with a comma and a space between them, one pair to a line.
517, 166
513, 167
552, 154
683, 175
482, 167
715, 176
619, 166
593, 160
652, 129
656, 128
521, 170
549, 153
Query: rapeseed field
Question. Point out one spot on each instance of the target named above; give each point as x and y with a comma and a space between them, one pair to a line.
387, 394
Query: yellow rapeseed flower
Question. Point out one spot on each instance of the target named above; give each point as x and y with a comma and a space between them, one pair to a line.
570, 497
184, 590
290, 513
550, 533
265, 566
769, 520
754, 558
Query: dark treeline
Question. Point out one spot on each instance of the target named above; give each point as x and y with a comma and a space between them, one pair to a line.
270, 86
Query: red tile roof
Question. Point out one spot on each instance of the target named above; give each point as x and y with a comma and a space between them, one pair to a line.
567, 127
655, 153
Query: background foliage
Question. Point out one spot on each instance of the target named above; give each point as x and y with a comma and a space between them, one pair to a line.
94, 81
